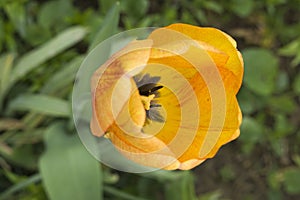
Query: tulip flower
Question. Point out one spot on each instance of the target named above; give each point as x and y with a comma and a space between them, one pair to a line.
169, 101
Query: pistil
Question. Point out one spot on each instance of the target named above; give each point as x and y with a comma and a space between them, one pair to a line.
146, 100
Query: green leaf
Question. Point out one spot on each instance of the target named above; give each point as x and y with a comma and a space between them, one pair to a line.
178, 184
36, 57
251, 133
24, 156
250, 102
10, 124
20, 186
292, 49
215, 195
2, 34
274, 194
121, 194
283, 82
213, 6
62, 78
61, 8
135, 9
68, 171
261, 70
42, 104
284, 103
105, 5
162, 175
296, 159
244, 9
182, 189
108, 27
37, 35
292, 180
16, 13
283, 126
24, 137
296, 84
6, 63
274, 179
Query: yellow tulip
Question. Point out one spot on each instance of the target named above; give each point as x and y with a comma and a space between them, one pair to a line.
169, 101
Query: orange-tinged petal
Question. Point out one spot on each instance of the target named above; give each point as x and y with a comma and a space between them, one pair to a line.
103, 115
186, 165
189, 153
178, 100
170, 45
131, 60
200, 149
132, 116
219, 40
200, 72
159, 156
114, 77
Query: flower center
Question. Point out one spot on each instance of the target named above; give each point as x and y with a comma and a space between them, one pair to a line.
149, 89
146, 100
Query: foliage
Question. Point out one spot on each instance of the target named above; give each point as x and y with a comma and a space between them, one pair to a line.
42, 45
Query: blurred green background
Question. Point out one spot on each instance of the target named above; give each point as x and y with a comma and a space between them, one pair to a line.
42, 44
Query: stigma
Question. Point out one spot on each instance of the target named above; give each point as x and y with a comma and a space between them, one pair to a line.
149, 89
146, 100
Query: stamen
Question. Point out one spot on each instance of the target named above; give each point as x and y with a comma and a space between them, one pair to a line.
107, 135
146, 100
149, 89
155, 88
155, 105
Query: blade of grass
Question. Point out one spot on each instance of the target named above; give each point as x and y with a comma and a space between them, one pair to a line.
6, 63
181, 190
10, 124
20, 186
62, 78
17, 15
26, 137
41, 103
57, 84
32, 119
36, 57
108, 27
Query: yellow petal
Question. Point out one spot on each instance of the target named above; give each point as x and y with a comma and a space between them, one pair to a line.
178, 101
170, 45
158, 156
200, 71
112, 85
209, 138
219, 40
187, 165
132, 116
